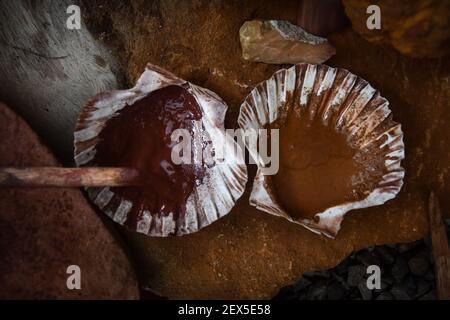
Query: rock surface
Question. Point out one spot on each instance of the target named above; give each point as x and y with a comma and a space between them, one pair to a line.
249, 254
419, 28
48, 71
281, 42
321, 17
43, 231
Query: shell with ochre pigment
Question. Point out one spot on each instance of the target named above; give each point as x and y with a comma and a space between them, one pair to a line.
339, 99
214, 197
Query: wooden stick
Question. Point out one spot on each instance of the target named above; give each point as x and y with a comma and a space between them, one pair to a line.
67, 177
441, 252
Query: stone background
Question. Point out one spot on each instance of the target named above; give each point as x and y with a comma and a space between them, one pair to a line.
247, 254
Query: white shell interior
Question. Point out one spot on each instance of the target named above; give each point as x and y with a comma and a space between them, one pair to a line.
222, 185
360, 112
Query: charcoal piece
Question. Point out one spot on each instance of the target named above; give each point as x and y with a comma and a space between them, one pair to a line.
429, 276
335, 291
318, 290
356, 275
340, 279
399, 270
410, 285
418, 265
301, 284
405, 247
400, 292
367, 258
286, 293
386, 254
317, 274
431, 295
423, 287
366, 293
354, 294
385, 296
385, 283
389, 279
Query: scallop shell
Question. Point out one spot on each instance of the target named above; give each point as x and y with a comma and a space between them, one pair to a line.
330, 93
222, 185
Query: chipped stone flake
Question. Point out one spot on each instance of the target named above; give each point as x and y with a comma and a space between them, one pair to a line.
280, 42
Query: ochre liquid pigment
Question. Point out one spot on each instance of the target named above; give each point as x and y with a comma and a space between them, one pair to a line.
317, 167
139, 136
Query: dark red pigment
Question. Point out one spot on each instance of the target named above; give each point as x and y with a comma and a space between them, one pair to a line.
139, 136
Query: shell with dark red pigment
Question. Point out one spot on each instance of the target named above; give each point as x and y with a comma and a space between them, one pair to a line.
210, 200
357, 110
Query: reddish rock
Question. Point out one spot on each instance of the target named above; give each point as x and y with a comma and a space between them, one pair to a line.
419, 28
43, 231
